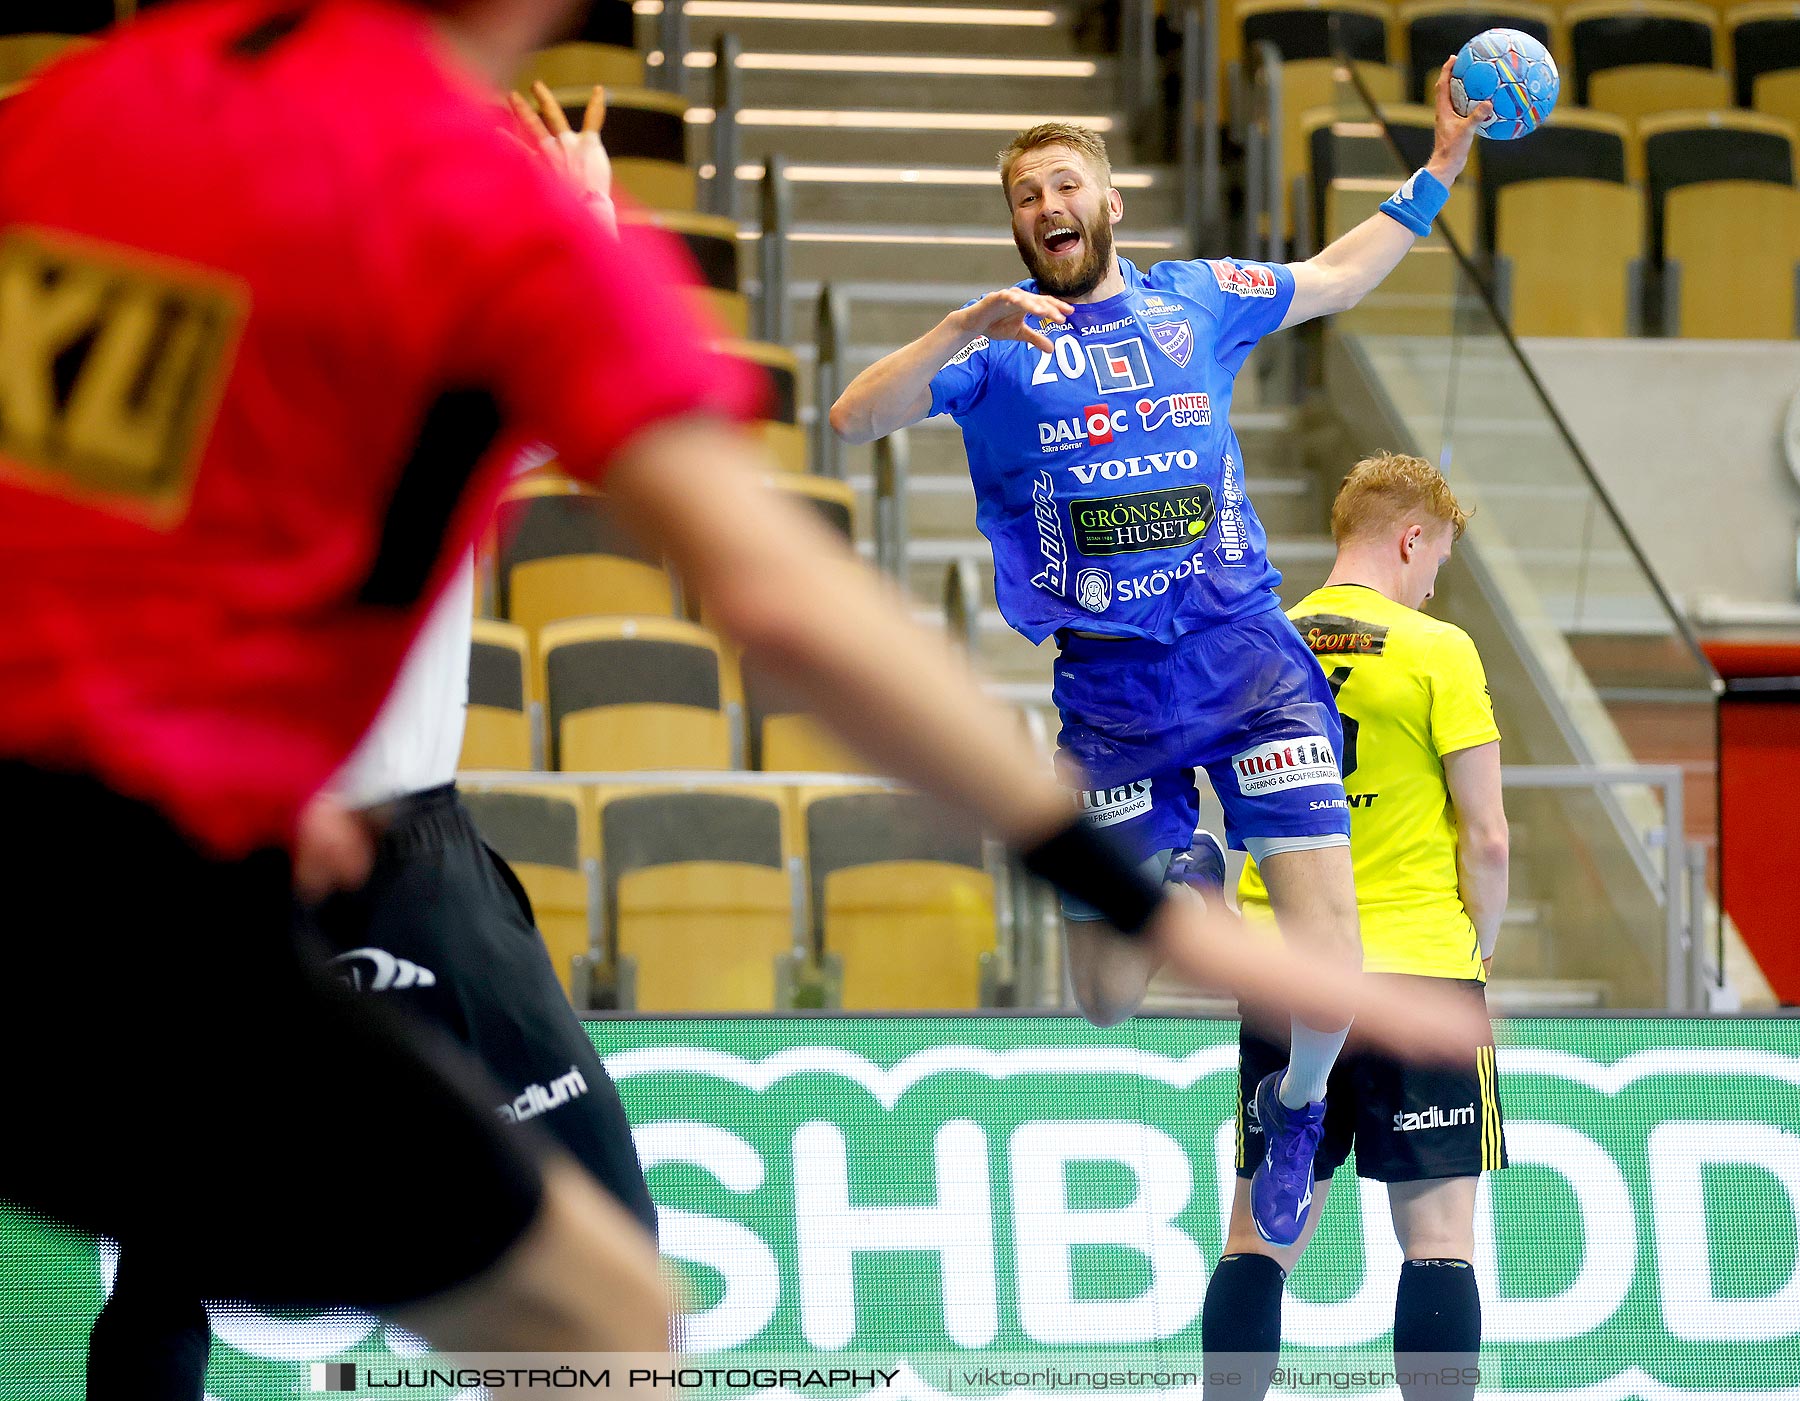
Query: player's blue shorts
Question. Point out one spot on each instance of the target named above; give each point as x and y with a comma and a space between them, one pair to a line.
1246, 701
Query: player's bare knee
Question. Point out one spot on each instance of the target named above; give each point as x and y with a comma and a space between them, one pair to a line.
1108, 974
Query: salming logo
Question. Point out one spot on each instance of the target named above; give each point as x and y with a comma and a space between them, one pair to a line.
539, 1099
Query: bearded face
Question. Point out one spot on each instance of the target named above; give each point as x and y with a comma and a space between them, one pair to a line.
1062, 222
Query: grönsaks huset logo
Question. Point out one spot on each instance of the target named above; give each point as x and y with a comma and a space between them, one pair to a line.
1144, 520
334, 1376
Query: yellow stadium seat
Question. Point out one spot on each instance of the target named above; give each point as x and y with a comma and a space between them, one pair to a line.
21, 55
581, 65
780, 429
833, 500
646, 137
1778, 95
1418, 297
712, 243
902, 899
1430, 31
625, 694
562, 555
1765, 40
1690, 148
1619, 33
498, 725
1640, 90
699, 897
1570, 245
1737, 245
546, 835
1311, 87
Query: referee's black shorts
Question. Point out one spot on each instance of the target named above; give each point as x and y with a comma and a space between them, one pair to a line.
1407, 1122
178, 1076
443, 931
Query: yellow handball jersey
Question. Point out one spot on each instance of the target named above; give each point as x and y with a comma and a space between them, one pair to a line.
1411, 690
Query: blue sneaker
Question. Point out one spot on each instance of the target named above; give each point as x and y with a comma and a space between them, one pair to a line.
1281, 1191
1201, 867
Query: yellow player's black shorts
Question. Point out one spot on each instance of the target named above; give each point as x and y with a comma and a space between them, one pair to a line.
1408, 1123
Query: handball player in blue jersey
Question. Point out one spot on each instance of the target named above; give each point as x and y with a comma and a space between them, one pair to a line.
1095, 402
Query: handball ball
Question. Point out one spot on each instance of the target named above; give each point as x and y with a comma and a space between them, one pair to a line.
1511, 70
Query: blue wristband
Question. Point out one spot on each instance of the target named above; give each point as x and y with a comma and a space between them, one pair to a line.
1416, 203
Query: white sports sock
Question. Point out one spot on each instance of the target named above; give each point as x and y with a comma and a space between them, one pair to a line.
1314, 1053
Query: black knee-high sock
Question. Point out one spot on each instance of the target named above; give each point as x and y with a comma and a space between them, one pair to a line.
1437, 1319
1240, 1327
151, 1340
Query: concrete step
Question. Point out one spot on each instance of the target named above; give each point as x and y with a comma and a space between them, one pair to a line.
976, 253
888, 193
1527, 997
961, 78
827, 136
1039, 31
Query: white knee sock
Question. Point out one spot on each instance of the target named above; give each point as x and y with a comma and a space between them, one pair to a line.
1314, 1053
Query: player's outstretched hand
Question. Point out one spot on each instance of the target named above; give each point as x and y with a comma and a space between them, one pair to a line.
1454, 135
1209, 947
1005, 316
579, 156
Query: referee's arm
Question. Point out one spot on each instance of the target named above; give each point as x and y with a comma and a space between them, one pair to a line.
1343, 274
1483, 846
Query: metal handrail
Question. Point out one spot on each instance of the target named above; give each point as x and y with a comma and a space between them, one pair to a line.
1271, 179
727, 95
772, 254
1684, 954
831, 329
671, 37
1197, 130
962, 603
1137, 64
892, 459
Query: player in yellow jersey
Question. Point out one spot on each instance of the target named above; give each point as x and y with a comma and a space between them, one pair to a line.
1428, 842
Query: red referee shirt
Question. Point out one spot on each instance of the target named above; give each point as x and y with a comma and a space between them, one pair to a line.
278, 301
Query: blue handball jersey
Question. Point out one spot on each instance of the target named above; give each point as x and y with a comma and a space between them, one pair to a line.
1107, 477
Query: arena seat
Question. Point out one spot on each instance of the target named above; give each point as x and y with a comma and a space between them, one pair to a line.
1355, 29
35, 31
563, 555
1734, 248
780, 431
784, 735
1765, 39
831, 499
546, 835
1570, 250
1340, 147
1431, 30
1686, 148
698, 897
1418, 297
903, 903
603, 50
712, 243
624, 694
1620, 33
1314, 90
499, 722
646, 137
1640, 90
1575, 144
1778, 95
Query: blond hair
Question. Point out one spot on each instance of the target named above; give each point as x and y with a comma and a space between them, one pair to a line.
1382, 492
1084, 140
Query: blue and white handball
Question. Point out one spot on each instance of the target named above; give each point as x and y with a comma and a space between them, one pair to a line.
1515, 73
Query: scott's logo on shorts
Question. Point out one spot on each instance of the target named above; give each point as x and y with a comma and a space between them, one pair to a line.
1435, 1117
1285, 763
1106, 807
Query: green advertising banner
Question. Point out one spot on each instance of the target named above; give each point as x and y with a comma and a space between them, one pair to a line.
1030, 1188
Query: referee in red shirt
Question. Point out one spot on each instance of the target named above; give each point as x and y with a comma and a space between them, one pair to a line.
278, 302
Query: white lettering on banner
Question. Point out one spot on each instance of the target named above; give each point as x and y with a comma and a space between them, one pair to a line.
1119, 468
1609, 1236
1301, 762
959, 1229
1047, 1230
1677, 1153
751, 1273
1107, 807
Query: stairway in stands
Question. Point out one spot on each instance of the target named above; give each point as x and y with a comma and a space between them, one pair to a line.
890, 117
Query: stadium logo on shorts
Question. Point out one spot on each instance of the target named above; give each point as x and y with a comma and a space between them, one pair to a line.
1435, 1117
1285, 763
1106, 807
334, 1376
377, 970
1093, 590
539, 1099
